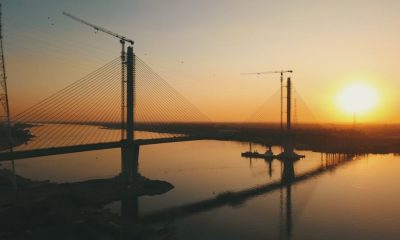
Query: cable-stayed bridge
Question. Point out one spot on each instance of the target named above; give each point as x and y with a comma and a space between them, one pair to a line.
124, 103
98, 112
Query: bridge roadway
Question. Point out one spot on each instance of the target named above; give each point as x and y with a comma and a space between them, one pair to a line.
6, 156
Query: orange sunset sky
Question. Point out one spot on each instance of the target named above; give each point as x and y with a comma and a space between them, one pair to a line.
202, 47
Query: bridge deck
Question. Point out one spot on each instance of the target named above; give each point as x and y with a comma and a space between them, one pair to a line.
6, 156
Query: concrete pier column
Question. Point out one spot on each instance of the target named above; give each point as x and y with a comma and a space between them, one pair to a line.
129, 162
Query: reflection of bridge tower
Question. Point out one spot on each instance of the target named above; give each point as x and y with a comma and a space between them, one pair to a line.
288, 176
329, 161
269, 161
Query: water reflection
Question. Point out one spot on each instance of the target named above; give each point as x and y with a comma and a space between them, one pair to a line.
202, 171
268, 162
288, 177
130, 207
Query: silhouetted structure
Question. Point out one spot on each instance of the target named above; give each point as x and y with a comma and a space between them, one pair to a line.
281, 89
288, 145
6, 119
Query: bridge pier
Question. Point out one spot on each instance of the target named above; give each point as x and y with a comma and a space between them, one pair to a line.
129, 162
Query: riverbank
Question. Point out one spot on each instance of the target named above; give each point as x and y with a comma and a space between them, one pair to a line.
20, 135
44, 210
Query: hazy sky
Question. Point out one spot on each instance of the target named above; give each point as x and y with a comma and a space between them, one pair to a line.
201, 47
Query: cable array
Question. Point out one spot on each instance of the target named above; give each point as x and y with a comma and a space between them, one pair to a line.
89, 110
269, 111
302, 114
76, 114
158, 105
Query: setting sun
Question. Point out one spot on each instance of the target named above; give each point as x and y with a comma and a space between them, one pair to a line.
357, 98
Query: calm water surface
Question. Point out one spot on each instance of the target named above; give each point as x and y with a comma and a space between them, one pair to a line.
355, 199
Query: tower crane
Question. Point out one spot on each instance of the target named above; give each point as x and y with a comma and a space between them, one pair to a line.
122, 40
281, 72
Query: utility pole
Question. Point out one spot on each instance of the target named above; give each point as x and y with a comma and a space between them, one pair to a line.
4, 100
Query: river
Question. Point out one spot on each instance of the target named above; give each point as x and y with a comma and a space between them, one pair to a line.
354, 199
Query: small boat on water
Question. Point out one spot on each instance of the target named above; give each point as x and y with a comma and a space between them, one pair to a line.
255, 154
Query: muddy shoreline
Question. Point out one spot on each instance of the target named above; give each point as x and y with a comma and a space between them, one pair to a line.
45, 210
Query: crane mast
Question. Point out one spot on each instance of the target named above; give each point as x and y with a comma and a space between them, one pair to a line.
281, 80
122, 40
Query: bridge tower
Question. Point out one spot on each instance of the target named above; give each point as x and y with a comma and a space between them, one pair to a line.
130, 95
130, 150
289, 106
288, 145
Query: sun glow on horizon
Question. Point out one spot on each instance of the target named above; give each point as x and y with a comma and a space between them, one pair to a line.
357, 98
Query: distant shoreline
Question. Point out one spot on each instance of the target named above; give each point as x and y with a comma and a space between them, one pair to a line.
375, 139
367, 138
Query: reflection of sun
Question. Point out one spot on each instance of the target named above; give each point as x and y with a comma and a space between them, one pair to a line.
357, 98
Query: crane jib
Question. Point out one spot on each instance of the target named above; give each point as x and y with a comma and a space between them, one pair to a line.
98, 28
